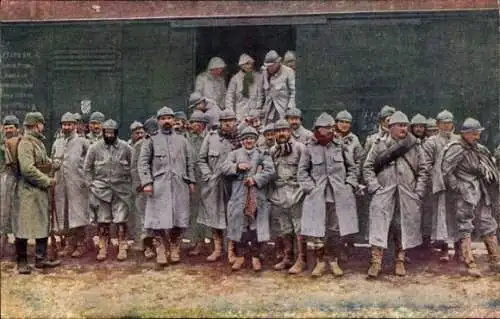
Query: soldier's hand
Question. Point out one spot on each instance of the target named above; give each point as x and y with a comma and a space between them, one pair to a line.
191, 188
56, 164
148, 189
243, 166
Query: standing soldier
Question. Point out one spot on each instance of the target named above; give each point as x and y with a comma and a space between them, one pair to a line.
95, 126
383, 118
197, 232
207, 106
215, 189
71, 192
143, 240
166, 170
110, 199
8, 177
286, 197
299, 132
417, 126
278, 87
431, 128
136, 132
290, 60
441, 220
396, 172
211, 83
469, 174
32, 195
329, 176
244, 92
248, 208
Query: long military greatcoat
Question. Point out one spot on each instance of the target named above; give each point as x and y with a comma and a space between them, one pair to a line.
240, 104
71, 191
212, 88
404, 180
236, 204
322, 166
279, 91
166, 162
215, 189
140, 197
33, 188
8, 182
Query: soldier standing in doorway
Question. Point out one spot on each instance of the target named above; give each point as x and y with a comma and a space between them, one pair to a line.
211, 83
290, 60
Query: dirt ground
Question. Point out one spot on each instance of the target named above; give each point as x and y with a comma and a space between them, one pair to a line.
194, 288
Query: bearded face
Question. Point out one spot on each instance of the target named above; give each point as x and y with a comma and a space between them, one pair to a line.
166, 121
295, 122
109, 136
9, 131
68, 128
283, 135
418, 130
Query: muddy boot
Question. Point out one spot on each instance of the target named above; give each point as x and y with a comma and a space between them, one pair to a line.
335, 268
444, 256
320, 267
491, 243
23, 268
3, 245
287, 260
239, 258
69, 244
102, 246
459, 258
81, 244
469, 261
279, 247
231, 251
217, 239
41, 259
175, 245
256, 264
376, 262
238, 263
162, 249
149, 249
301, 262
399, 267
198, 247
122, 242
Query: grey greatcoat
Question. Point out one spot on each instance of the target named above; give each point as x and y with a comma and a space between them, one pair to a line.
236, 204
111, 183
71, 193
279, 92
166, 162
302, 134
211, 88
380, 135
322, 168
8, 182
140, 197
215, 189
354, 147
404, 180
240, 104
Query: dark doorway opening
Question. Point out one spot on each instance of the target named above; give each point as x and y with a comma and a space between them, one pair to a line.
230, 42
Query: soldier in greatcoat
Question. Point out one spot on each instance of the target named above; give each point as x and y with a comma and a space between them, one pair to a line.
286, 197
278, 83
468, 173
95, 126
107, 164
439, 221
328, 175
136, 132
71, 189
248, 209
211, 83
396, 172
215, 189
299, 132
142, 238
383, 118
32, 195
166, 171
244, 92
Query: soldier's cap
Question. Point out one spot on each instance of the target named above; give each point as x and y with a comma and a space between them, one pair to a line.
151, 125
180, 115
97, 117
68, 118
165, 111
385, 112
270, 127
293, 112
431, 124
11, 120
282, 124
198, 116
248, 131
272, 57
227, 114
78, 117
32, 118
471, 125
444, 116
136, 125
343, 116
253, 114
244, 59
289, 56
324, 120
216, 63
110, 125
418, 119
195, 98
398, 118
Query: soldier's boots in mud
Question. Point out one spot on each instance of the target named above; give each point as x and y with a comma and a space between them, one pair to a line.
339, 249
287, 259
231, 252
69, 244
102, 246
301, 262
444, 255
320, 267
469, 261
41, 255
175, 245
81, 243
375, 262
149, 249
238, 263
459, 258
217, 239
23, 267
162, 245
280, 247
198, 247
122, 242
491, 243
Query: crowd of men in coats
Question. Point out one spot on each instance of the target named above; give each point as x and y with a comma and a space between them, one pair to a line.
242, 170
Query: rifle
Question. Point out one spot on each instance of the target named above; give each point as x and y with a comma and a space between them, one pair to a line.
52, 255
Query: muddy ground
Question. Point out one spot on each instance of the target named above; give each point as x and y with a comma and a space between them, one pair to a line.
194, 288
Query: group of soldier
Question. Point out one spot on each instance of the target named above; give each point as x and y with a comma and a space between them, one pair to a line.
242, 170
